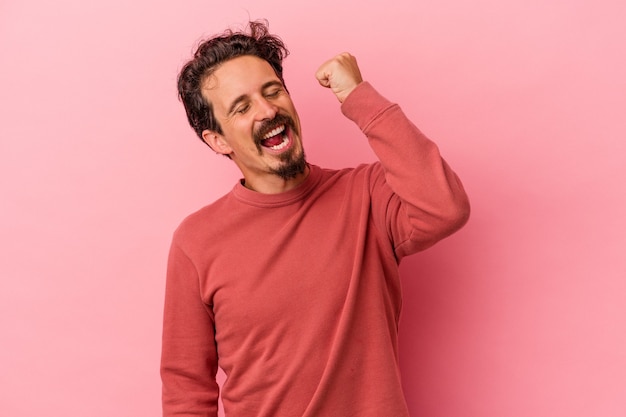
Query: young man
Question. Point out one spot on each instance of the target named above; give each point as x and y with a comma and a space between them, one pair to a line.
290, 282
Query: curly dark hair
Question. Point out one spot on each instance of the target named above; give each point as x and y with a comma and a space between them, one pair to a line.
211, 53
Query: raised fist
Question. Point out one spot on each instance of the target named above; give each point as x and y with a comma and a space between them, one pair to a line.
341, 74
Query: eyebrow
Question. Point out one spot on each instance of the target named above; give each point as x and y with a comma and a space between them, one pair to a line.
243, 97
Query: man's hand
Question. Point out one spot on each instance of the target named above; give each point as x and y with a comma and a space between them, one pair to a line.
341, 74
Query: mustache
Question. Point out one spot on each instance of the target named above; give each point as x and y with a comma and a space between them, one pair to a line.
269, 125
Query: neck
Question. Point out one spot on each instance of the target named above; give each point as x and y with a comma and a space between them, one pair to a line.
274, 184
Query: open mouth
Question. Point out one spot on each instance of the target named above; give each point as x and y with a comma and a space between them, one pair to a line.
276, 139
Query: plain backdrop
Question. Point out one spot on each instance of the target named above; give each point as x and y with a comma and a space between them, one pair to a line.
521, 313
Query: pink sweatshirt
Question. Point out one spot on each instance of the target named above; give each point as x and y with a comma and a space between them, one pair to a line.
297, 295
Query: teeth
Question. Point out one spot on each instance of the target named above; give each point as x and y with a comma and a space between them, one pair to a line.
274, 132
280, 145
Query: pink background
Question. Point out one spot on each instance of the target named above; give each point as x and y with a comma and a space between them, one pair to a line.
522, 313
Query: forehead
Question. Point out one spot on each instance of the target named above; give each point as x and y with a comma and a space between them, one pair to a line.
239, 76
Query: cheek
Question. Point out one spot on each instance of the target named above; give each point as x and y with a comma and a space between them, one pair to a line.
240, 130
294, 112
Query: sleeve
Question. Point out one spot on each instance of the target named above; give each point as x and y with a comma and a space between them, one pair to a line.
419, 198
189, 354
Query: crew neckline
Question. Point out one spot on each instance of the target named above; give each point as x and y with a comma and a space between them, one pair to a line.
254, 198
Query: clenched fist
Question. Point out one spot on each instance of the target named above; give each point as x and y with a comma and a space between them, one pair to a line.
341, 74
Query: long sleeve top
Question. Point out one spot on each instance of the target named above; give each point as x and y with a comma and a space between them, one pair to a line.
296, 296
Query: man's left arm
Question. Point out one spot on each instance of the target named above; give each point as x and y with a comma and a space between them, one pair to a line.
426, 200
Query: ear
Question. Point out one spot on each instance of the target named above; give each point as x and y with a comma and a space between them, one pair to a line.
216, 142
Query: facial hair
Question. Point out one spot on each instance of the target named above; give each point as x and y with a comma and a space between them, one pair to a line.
293, 163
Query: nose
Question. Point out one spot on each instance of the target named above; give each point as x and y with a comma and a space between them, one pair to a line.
266, 109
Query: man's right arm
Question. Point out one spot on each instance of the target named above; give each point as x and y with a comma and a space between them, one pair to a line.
189, 354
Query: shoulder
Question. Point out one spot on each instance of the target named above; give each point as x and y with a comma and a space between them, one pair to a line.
202, 222
364, 169
350, 181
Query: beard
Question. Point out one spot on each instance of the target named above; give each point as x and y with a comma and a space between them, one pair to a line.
292, 165
293, 161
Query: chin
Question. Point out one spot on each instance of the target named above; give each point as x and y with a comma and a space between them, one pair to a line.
292, 167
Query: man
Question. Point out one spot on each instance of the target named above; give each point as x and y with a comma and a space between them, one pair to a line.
290, 282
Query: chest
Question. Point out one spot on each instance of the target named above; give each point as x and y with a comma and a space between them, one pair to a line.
286, 261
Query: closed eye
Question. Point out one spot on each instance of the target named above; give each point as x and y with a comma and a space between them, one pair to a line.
273, 93
242, 109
